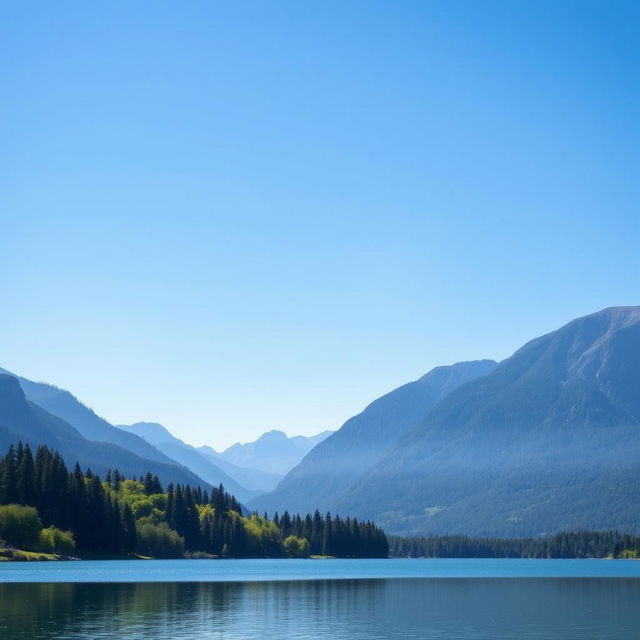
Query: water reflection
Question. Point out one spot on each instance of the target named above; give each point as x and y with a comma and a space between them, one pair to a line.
562, 609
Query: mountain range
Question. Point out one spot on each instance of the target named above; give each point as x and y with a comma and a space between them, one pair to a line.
186, 455
546, 440
64, 405
273, 452
65, 423
243, 483
21, 419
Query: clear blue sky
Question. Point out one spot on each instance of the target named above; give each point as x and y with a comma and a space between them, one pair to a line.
231, 217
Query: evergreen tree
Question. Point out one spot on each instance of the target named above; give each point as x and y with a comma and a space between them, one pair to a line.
169, 510
148, 483
117, 480
156, 486
327, 536
25, 480
179, 517
129, 527
192, 521
285, 524
8, 486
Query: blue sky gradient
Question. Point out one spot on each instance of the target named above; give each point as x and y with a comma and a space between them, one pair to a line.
231, 217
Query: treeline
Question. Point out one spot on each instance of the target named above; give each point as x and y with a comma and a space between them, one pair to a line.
335, 536
215, 525
580, 544
135, 515
71, 501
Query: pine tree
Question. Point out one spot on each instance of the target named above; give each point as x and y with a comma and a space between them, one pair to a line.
169, 510
117, 480
192, 522
148, 483
179, 517
81, 517
285, 524
327, 536
25, 480
205, 534
129, 526
156, 486
316, 534
8, 478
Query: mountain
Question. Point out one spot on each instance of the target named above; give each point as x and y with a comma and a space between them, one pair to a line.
66, 406
326, 474
23, 420
205, 467
273, 452
250, 478
548, 441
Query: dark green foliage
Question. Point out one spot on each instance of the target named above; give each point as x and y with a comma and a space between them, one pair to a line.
73, 501
335, 536
121, 516
129, 540
25, 477
8, 478
151, 484
582, 544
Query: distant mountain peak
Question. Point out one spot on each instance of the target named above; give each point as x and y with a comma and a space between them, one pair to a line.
204, 465
273, 452
273, 434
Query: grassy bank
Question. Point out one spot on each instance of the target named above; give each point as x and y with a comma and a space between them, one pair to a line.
9, 554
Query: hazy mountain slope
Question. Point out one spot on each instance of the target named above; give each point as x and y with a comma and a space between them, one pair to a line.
326, 474
273, 452
254, 479
26, 421
190, 457
66, 406
550, 440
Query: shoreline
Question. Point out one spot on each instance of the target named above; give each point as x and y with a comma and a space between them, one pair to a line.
20, 556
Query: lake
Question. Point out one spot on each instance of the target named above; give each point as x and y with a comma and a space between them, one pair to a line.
305, 599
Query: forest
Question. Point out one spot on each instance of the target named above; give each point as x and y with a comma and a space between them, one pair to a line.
581, 544
46, 507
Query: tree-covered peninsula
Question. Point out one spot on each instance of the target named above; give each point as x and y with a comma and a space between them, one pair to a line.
46, 507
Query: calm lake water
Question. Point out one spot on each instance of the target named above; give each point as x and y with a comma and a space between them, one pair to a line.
287, 599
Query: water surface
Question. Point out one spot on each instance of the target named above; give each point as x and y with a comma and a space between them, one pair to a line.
270, 570
413, 609
252, 599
